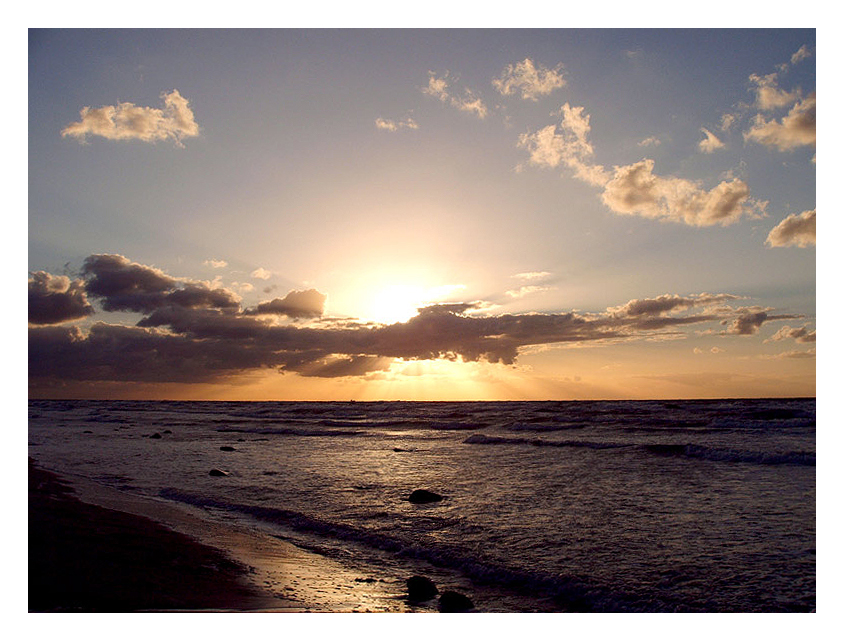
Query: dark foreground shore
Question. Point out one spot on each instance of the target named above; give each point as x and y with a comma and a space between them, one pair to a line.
86, 558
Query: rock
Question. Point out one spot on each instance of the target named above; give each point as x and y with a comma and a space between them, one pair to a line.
216, 472
421, 589
420, 496
168, 432
155, 435
228, 449
454, 602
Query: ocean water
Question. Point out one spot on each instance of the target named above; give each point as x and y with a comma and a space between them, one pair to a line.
548, 506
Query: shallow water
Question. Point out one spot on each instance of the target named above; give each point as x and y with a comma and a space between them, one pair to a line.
605, 506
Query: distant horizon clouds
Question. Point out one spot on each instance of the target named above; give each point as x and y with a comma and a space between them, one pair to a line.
190, 332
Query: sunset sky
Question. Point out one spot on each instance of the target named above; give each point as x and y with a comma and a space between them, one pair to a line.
422, 214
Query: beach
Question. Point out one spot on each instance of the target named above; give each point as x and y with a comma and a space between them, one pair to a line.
94, 549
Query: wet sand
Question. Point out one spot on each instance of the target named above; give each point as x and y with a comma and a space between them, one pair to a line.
95, 549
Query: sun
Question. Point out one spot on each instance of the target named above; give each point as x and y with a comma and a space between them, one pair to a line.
396, 303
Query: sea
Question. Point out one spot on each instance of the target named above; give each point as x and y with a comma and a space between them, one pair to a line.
557, 506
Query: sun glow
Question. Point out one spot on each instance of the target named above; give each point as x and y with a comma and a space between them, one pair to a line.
396, 303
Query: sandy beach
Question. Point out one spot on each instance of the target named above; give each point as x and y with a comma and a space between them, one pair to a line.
94, 549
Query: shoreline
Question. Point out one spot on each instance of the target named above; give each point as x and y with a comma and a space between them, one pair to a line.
96, 549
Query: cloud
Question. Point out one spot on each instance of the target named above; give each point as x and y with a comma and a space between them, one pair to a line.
468, 101
651, 141
710, 143
437, 87
666, 303
800, 335
569, 147
769, 95
792, 354
192, 333
795, 229
261, 273
525, 290
296, 304
532, 276
532, 81
635, 189
122, 285
56, 299
127, 121
392, 125
802, 54
749, 320
796, 129
215, 263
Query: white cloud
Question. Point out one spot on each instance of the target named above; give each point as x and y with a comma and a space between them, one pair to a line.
651, 141
468, 101
795, 229
769, 95
802, 53
797, 128
635, 189
532, 276
261, 273
548, 148
243, 287
710, 143
532, 81
437, 87
728, 121
525, 290
127, 121
800, 335
215, 263
392, 125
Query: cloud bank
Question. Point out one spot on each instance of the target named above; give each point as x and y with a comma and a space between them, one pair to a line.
191, 332
127, 121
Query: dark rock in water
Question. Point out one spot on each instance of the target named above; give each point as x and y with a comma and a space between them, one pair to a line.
228, 449
454, 602
420, 496
366, 580
155, 435
216, 472
88, 432
421, 589
168, 432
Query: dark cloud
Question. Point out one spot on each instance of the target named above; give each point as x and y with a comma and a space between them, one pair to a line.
56, 299
668, 303
750, 320
122, 285
297, 304
192, 333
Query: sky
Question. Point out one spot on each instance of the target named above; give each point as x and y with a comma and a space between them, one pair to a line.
421, 214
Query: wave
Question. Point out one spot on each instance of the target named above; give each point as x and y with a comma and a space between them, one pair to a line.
692, 451
569, 443
695, 451
571, 593
300, 432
